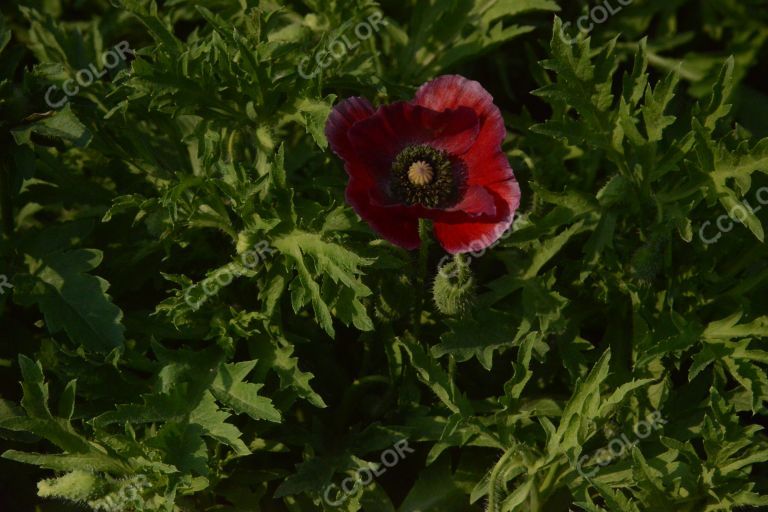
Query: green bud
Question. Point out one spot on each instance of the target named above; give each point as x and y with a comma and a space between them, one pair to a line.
454, 288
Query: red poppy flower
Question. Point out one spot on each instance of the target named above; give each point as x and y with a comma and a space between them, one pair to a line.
436, 157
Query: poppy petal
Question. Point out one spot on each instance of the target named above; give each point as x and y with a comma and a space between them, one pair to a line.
379, 138
454, 91
459, 236
341, 119
395, 224
476, 201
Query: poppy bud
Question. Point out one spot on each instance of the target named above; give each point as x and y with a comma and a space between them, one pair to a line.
454, 288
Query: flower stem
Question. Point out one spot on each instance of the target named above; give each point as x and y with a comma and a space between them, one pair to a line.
495, 484
421, 277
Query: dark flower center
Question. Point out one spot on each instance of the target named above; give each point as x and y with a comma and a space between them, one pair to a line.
423, 175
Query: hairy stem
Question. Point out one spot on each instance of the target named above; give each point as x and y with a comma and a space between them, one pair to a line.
421, 277
495, 484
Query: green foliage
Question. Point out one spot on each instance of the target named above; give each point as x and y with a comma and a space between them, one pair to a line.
199, 321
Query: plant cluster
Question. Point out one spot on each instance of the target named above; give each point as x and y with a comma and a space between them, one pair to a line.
163, 367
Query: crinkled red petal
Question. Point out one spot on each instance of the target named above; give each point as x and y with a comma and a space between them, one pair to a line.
379, 138
454, 91
397, 224
474, 233
341, 119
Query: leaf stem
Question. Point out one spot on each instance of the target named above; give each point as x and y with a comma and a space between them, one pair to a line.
550, 478
231, 146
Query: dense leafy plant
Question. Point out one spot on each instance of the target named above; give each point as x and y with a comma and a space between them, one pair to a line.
199, 321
